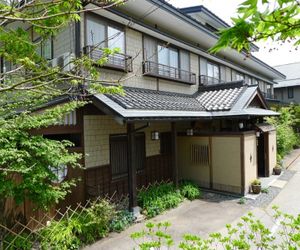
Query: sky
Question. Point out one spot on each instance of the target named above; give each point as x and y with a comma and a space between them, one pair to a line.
226, 9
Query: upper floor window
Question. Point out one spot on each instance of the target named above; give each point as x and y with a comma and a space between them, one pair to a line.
239, 76
290, 92
44, 48
167, 61
254, 81
213, 70
101, 34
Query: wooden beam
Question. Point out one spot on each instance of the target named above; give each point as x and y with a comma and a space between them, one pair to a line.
174, 153
131, 163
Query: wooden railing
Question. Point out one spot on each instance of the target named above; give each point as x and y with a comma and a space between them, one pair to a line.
116, 61
168, 72
208, 80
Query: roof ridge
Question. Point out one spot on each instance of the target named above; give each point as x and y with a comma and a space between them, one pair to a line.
219, 86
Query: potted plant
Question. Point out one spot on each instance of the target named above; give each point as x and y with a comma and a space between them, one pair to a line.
256, 186
277, 169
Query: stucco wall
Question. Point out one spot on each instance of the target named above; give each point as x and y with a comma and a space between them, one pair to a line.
186, 168
97, 129
272, 150
250, 160
226, 163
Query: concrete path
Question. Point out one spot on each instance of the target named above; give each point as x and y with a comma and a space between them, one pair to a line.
288, 200
210, 215
197, 217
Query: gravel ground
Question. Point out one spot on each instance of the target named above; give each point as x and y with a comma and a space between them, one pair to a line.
265, 199
261, 201
215, 196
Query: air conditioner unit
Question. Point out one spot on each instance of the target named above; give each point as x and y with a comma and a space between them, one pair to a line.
63, 61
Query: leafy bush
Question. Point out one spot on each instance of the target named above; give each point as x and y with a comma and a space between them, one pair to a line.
249, 233
80, 228
21, 242
190, 190
287, 138
121, 221
159, 198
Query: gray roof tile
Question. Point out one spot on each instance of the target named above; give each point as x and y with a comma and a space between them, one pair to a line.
217, 99
135, 98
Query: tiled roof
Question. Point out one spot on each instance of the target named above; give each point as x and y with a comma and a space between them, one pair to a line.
206, 99
219, 99
135, 98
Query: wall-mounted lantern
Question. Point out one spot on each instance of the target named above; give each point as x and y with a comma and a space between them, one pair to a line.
190, 132
257, 134
241, 125
154, 135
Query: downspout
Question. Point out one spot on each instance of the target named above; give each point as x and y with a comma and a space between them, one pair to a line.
77, 49
77, 39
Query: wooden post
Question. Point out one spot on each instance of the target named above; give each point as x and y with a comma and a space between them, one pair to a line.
174, 153
131, 163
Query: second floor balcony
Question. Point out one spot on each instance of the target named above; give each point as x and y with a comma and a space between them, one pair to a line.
169, 73
116, 61
208, 80
269, 95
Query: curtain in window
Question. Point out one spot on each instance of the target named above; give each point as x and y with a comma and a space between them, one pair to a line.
150, 48
95, 32
185, 64
115, 38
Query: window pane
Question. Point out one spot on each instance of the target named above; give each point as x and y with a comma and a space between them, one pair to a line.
47, 49
216, 72
150, 48
173, 58
210, 70
115, 38
163, 55
185, 60
95, 32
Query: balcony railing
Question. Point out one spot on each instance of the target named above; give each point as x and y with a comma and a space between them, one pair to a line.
269, 95
208, 80
116, 61
168, 72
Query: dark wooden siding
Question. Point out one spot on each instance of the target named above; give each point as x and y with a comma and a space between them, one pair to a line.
99, 181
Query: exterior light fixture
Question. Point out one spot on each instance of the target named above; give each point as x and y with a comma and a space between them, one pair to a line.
257, 134
190, 132
154, 135
241, 125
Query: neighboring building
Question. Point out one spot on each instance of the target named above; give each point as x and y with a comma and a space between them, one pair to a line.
288, 90
186, 114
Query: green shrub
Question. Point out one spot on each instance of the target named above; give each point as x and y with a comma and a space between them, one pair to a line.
287, 138
190, 190
21, 242
159, 198
80, 228
121, 221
